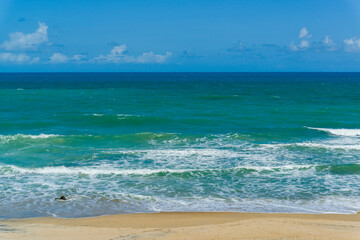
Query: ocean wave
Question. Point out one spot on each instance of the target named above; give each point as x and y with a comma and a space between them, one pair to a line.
62, 170
179, 153
158, 143
341, 169
8, 138
325, 145
92, 171
339, 131
149, 137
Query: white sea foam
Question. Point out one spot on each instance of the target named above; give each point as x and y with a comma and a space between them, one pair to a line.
95, 205
319, 145
93, 171
339, 131
61, 170
326, 145
207, 153
279, 167
41, 136
8, 138
127, 115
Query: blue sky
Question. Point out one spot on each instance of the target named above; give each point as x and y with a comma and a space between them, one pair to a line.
179, 35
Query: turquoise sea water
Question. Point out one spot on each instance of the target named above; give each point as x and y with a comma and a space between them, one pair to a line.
149, 142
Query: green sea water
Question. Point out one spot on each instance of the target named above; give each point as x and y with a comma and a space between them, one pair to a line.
149, 142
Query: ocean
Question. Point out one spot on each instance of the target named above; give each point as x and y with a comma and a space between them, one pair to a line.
149, 142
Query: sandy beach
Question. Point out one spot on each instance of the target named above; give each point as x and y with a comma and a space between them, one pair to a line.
222, 225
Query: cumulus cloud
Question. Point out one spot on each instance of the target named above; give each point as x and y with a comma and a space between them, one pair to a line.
58, 58
19, 41
352, 44
17, 58
119, 55
116, 54
329, 44
26, 43
79, 57
304, 33
304, 44
150, 57
62, 58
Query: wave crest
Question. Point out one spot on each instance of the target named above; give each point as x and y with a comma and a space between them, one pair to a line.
62, 170
8, 138
339, 131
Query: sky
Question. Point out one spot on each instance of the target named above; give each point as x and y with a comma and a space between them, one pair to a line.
179, 36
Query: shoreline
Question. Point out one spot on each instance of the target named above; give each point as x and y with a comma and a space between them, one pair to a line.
187, 225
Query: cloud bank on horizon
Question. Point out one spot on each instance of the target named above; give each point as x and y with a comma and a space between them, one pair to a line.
23, 42
15, 48
173, 37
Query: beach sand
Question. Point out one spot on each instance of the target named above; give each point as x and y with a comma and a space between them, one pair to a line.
187, 226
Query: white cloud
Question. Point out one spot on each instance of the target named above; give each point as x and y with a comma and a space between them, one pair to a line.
352, 44
329, 44
19, 41
119, 50
58, 58
62, 58
328, 41
151, 57
304, 44
304, 33
119, 55
22, 42
17, 58
78, 57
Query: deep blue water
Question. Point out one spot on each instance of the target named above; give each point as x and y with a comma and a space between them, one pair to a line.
148, 142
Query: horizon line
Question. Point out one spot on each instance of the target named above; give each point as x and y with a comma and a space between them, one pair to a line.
181, 72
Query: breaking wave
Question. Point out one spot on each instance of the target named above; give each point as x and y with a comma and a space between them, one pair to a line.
339, 131
8, 138
92, 171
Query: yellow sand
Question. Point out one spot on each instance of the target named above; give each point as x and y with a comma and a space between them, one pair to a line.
187, 226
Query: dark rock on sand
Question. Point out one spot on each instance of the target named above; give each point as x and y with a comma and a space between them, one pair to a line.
61, 198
